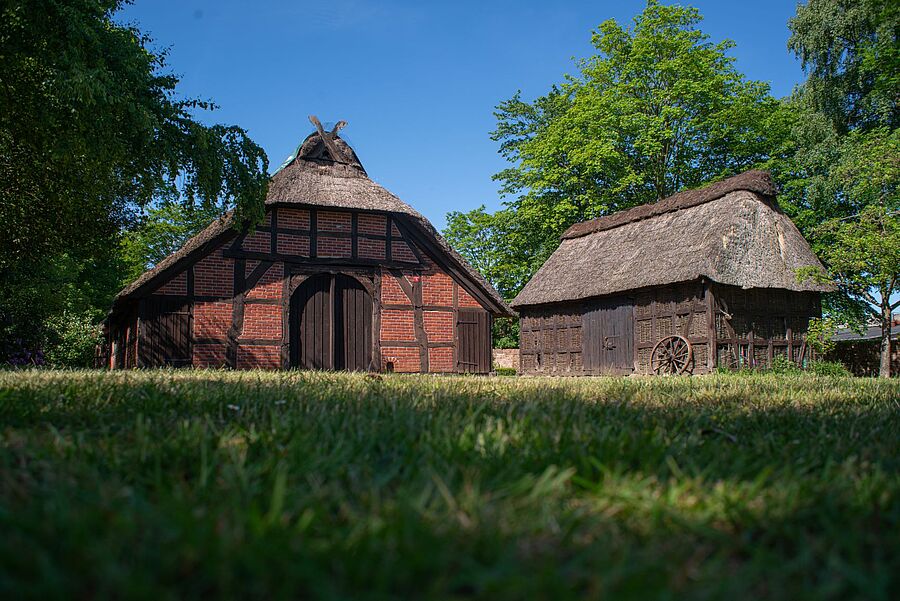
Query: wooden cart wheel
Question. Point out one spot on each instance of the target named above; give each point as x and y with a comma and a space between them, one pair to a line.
671, 355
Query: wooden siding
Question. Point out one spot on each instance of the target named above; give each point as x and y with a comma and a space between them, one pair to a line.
752, 327
551, 340
726, 326
667, 310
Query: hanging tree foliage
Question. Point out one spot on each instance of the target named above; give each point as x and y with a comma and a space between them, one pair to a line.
91, 130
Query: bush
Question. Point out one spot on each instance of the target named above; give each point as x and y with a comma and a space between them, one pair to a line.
783, 365
73, 339
505, 371
828, 368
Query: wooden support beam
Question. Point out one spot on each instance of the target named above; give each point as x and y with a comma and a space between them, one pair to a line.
237, 313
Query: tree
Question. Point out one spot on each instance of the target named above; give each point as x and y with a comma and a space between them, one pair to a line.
850, 52
842, 180
163, 230
477, 236
91, 130
660, 108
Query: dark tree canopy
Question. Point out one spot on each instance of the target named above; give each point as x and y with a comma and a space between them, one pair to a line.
91, 130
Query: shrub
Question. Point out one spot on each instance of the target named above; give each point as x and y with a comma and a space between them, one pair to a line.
73, 339
783, 365
828, 368
505, 371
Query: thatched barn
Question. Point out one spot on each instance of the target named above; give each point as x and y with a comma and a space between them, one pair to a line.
341, 275
701, 279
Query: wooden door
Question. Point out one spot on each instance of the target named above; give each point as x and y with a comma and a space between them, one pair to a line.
165, 333
331, 324
311, 319
353, 325
473, 333
608, 337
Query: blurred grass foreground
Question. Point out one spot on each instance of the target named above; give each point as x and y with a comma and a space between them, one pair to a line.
166, 484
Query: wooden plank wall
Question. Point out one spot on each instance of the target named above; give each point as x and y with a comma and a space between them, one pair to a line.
754, 326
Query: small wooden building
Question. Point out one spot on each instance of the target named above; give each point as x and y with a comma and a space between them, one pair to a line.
701, 279
341, 275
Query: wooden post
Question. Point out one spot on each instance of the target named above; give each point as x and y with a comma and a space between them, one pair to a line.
711, 333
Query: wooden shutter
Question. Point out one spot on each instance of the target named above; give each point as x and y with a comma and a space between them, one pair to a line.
165, 332
473, 328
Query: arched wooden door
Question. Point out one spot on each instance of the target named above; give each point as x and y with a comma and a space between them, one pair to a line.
331, 324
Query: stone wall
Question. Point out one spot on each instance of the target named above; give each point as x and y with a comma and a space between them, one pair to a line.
506, 357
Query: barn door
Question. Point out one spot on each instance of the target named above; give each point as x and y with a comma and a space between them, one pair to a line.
331, 324
473, 332
353, 325
165, 336
608, 337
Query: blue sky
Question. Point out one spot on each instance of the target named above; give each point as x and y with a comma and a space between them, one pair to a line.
417, 81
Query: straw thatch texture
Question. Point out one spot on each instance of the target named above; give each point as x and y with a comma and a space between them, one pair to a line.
732, 233
315, 178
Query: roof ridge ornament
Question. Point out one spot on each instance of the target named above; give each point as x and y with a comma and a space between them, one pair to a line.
327, 138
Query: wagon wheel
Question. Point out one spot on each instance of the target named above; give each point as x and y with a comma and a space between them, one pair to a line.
671, 355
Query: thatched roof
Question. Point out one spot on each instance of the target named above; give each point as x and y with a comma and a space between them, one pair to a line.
731, 232
324, 172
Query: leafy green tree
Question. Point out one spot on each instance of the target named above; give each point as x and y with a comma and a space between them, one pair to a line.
862, 252
91, 129
660, 108
850, 51
478, 235
841, 182
160, 232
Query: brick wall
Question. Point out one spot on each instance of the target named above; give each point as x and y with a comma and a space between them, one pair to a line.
397, 324
371, 224
440, 360
333, 221
262, 321
403, 359
295, 219
291, 244
211, 319
259, 357
439, 326
269, 285
177, 285
260, 242
214, 275
371, 249
209, 355
328, 246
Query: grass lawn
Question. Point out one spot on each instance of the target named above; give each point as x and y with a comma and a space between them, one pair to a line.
261, 485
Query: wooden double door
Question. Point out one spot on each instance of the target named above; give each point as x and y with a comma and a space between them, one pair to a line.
331, 324
608, 337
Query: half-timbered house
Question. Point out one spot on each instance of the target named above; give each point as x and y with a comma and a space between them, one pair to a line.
701, 279
340, 275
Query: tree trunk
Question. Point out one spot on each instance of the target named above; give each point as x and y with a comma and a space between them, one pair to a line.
884, 370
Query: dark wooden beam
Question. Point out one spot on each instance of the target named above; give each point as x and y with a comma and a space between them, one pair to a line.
237, 313
313, 233
354, 239
347, 262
